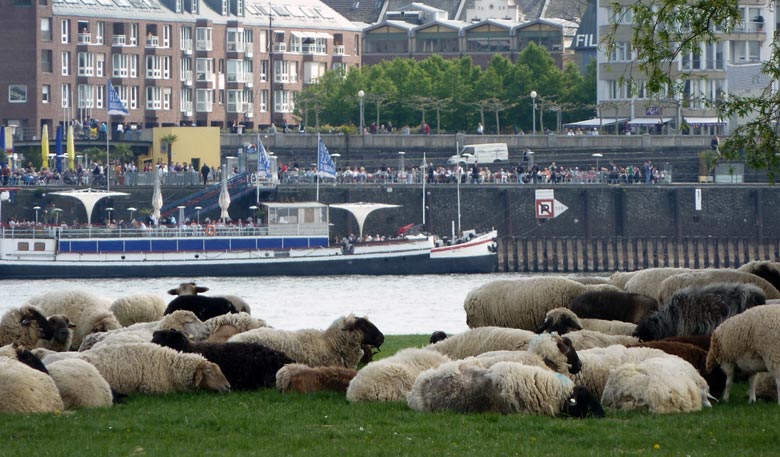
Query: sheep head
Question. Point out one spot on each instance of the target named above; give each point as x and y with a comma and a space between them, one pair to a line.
655, 326
188, 288
209, 376
582, 403
104, 323
437, 336
31, 316
371, 334
560, 321
171, 338
62, 329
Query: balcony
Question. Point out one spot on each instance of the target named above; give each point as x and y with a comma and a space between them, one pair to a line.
203, 45
339, 50
249, 50
250, 80
313, 49
250, 108
202, 76
186, 46
85, 38
280, 47
152, 41
235, 46
203, 107
749, 27
119, 40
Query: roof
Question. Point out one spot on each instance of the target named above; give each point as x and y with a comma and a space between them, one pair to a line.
367, 11
698, 120
595, 122
295, 205
649, 120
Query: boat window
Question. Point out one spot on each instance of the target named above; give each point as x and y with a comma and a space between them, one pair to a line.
40, 246
308, 215
23, 246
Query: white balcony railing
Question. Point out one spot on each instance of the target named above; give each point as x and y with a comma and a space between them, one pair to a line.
119, 40
204, 76
235, 46
249, 49
339, 50
280, 47
152, 41
249, 108
203, 107
186, 108
85, 38
203, 45
186, 46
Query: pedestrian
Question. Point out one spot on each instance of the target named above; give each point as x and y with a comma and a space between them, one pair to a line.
715, 143
480, 129
204, 171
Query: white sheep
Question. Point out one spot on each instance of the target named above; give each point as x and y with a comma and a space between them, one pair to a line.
620, 278
143, 307
391, 379
597, 363
222, 327
564, 320
458, 386
147, 368
660, 385
185, 321
80, 384
87, 311
648, 281
26, 390
586, 339
483, 339
749, 341
239, 303
341, 344
700, 278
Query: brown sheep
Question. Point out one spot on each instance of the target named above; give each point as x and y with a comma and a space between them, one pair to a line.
296, 377
697, 357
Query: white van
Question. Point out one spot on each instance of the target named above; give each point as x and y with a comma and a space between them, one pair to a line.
482, 153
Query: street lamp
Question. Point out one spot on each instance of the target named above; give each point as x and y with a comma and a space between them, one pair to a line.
361, 94
401, 155
36, 208
56, 212
198, 208
598, 155
254, 213
132, 210
181, 215
335, 156
108, 210
533, 104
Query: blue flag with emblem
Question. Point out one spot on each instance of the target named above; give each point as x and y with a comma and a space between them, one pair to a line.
263, 161
115, 105
325, 166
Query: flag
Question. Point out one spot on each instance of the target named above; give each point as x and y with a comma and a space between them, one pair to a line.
115, 105
263, 161
325, 166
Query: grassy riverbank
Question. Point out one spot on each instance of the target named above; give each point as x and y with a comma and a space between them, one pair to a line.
266, 423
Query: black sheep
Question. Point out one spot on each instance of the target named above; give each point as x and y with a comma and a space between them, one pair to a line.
204, 307
613, 305
245, 365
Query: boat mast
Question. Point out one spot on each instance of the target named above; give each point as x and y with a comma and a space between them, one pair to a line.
424, 177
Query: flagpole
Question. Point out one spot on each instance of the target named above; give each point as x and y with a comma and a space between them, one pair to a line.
317, 169
108, 131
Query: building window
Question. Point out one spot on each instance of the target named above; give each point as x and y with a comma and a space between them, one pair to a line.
203, 39
17, 93
65, 99
263, 101
204, 98
45, 93
65, 63
65, 31
46, 34
47, 66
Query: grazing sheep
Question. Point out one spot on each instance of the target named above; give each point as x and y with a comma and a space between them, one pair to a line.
612, 305
748, 341
586, 339
338, 345
658, 385
26, 390
62, 334
764, 269
697, 310
87, 311
132, 309
620, 278
483, 339
437, 336
597, 363
221, 328
25, 326
696, 356
80, 384
563, 320
700, 278
297, 377
647, 282
246, 366
184, 321
147, 368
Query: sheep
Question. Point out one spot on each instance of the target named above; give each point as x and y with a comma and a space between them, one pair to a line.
659, 385
647, 282
547, 351
591, 280
338, 345
612, 305
620, 278
563, 320
132, 309
26, 390
204, 307
80, 384
765, 386
25, 326
391, 379
239, 303
700, 341
764, 269
696, 356
297, 377
220, 328
184, 321
147, 368
437, 336
750, 342
88, 312
586, 339
62, 334
697, 310
246, 366
458, 386
21, 354
704, 277
483, 339
597, 362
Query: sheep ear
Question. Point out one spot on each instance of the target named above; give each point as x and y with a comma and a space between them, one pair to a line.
567, 341
545, 325
349, 323
173, 291
25, 321
571, 323
572, 401
200, 373
71, 325
200, 289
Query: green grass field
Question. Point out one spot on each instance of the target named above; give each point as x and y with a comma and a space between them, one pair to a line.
266, 423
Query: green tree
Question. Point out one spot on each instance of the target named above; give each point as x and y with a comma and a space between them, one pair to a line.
168, 141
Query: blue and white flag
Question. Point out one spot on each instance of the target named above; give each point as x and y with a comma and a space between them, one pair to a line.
263, 161
325, 166
115, 105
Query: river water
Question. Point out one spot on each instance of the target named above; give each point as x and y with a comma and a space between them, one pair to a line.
396, 304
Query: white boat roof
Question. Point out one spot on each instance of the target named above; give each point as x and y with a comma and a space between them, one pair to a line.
361, 210
294, 205
89, 198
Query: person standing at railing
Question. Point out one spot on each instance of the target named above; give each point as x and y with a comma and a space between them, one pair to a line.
204, 171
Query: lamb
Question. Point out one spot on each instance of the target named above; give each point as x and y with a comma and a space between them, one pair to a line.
220, 328
297, 377
132, 309
483, 339
563, 320
147, 368
184, 321
612, 305
764, 269
749, 341
647, 282
338, 345
25, 326
697, 310
62, 334
204, 307
674, 283
597, 362
26, 390
80, 384
586, 339
246, 366
88, 312
659, 385
696, 356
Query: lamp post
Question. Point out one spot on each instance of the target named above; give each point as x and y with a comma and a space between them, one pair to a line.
108, 210
254, 213
361, 94
198, 208
181, 216
335, 156
36, 208
533, 107
56, 212
132, 210
401, 156
598, 155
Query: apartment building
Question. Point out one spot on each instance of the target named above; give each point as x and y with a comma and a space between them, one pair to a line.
172, 62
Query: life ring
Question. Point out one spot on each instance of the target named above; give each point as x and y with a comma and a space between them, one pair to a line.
211, 230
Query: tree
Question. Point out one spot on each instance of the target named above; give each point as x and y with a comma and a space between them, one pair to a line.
168, 140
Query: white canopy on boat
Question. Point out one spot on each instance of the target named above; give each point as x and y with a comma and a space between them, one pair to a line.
224, 199
89, 198
157, 200
361, 210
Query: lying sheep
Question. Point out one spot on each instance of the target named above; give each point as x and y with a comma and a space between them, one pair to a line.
563, 320
297, 377
338, 345
700, 278
612, 305
147, 368
132, 309
62, 334
184, 321
22, 354
221, 328
80, 384
25, 326
87, 311
483, 339
246, 366
764, 269
696, 356
204, 307
26, 390
765, 386
587, 339
748, 341
697, 310
648, 282
553, 352
597, 363
658, 385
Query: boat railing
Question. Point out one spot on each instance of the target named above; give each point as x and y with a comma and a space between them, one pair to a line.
184, 231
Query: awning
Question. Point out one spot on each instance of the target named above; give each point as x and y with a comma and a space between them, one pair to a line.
649, 120
325, 36
297, 34
596, 122
694, 121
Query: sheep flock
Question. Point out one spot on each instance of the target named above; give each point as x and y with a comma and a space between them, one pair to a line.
661, 340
